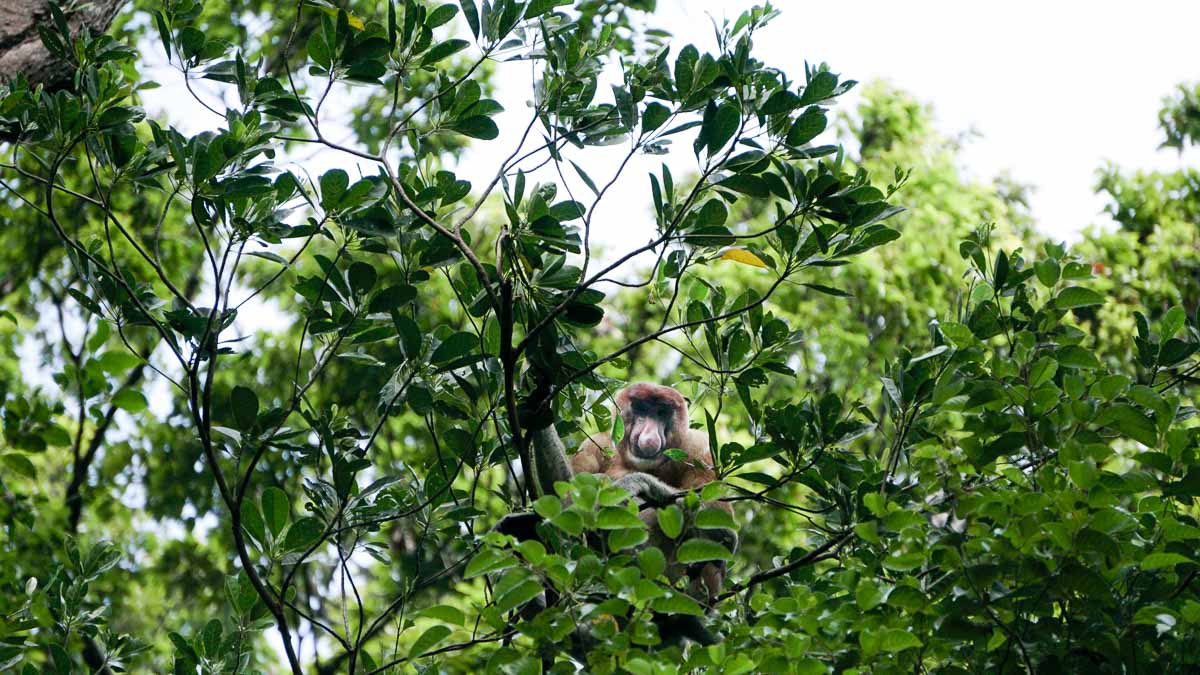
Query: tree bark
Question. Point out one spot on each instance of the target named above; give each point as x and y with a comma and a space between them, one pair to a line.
21, 49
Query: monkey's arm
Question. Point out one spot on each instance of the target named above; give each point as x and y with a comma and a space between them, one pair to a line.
647, 488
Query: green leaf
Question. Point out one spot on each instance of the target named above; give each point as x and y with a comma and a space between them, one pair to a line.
318, 50
701, 550
1157, 561
241, 592
1172, 321
489, 560
1077, 296
819, 88
532, 551
232, 434
781, 101
130, 400
1083, 473
86, 302
361, 276
904, 562
721, 127
583, 314
455, 347
828, 290
869, 594
477, 126
275, 509
210, 638
615, 517
1047, 271
868, 531
548, 506
712, 213
620, 540
746, 184
303, 533
441, 15
1074, 356
443, 613
428, 639
670, 521
539, 7
1174, 351
252, 522
958, 334
393, 297
164, 33
333, 185
567, 211
119, 115
587, 180
1130, 422
1042, 371
244, 405
652, 561
807, 126
654, 115
894, 640
19, 463
676, 603
936, 351
471, 14
444, 50
268, 255
569, 522
712, 518
875, 503
391, 24
519, 595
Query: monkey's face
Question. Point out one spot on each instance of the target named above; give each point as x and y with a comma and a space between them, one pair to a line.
648, 428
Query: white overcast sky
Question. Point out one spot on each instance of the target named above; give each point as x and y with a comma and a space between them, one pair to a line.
1053, 88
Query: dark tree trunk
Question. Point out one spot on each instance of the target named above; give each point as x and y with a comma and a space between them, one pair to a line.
21, 49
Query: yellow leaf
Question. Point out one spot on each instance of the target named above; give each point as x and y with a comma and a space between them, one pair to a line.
743, 256
353, 21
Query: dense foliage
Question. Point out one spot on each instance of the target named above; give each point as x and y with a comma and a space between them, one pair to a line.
950, 445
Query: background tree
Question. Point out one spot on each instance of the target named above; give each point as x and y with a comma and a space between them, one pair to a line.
1017, 495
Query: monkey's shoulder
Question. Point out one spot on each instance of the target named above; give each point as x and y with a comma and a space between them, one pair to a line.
595, 455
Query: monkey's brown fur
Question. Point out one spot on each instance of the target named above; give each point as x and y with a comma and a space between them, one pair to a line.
597, 455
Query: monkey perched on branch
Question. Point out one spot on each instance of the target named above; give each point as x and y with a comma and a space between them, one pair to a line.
655, 419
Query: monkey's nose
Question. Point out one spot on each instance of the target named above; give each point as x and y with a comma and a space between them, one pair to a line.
649, 441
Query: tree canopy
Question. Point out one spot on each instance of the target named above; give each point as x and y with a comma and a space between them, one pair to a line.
262, 417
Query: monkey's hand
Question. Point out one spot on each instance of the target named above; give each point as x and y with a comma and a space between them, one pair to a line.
646, 488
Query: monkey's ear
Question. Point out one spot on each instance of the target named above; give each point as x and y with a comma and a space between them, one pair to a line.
621, 400
679, 416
